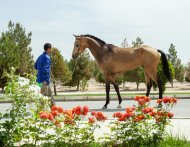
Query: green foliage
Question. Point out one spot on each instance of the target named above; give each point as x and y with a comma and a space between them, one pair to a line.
84, 84
176, 62
18, 121
135, 75
15, 51
137, 42
59, 69
137, 126
80, 68
187, 78
162, 75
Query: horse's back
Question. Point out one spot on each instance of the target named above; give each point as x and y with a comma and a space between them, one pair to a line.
149, 56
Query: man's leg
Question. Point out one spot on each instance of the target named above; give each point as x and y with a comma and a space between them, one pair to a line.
50, 94
46, 91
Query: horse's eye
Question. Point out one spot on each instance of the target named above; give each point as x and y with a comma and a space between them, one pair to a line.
77, 45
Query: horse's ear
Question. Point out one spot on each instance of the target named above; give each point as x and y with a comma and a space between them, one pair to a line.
75, 36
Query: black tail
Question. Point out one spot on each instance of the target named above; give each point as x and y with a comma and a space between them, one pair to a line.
165, 66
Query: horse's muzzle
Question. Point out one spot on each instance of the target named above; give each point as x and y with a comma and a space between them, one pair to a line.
74, 56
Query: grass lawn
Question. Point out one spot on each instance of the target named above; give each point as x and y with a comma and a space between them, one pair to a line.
122, 94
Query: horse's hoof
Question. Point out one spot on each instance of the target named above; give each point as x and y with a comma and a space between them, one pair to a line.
104, 107
119, 106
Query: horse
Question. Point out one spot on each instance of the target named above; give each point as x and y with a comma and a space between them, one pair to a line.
113, 61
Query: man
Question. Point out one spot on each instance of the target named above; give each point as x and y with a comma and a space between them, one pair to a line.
43, 66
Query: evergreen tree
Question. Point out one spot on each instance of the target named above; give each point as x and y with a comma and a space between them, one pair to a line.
176, 62
15, 51
59, 69
80, 68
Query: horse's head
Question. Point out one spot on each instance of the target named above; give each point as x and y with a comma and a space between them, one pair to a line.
79, 46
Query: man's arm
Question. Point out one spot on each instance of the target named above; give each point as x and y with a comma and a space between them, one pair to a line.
36, 64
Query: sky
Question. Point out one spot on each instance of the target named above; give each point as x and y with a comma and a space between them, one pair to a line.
157, 22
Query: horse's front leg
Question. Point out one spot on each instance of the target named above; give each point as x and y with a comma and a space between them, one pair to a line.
107, 94
118, 93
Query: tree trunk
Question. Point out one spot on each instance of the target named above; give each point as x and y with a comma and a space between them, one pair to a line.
78, 82
123, 81
54, 87
137, 85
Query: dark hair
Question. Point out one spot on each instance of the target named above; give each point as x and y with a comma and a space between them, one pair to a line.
46, 46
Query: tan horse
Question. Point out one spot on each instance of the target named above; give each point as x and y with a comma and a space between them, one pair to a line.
113, 60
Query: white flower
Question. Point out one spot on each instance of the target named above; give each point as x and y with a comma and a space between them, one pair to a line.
23, 81
34, 89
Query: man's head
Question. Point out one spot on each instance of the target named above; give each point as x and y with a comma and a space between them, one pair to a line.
47, 48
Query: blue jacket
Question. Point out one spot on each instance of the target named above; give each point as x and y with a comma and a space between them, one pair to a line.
43, 66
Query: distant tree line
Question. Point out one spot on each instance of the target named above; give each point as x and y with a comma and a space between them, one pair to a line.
15, 51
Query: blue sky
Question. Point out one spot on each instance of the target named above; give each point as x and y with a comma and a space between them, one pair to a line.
157, 22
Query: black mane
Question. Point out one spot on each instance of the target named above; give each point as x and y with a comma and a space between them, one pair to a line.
95, 38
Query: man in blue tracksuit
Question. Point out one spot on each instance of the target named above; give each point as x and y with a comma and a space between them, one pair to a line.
43, 67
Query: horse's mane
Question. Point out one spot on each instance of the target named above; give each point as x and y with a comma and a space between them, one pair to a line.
95, 38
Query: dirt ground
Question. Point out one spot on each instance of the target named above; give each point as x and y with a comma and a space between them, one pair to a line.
94, 86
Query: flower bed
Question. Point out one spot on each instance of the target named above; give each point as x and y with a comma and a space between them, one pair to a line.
35, 123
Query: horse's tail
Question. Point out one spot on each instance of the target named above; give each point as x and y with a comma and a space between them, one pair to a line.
165, 66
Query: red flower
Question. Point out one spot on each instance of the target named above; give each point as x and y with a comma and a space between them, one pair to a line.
93, 113
159, 101
44, 115
142, 99
91, 120
153, 113
50, 117
59, 109
170, 115
117, 114
174, 100
77, 110
166, 100
53, 108
54, 113
85, 110
122, 118
139, 118
100, 116
147, 110
130, 109
127, 115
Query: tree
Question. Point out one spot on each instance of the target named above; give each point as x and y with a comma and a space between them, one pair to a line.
187, 76
59, 69
15, 51
124, 44
135, 75
80, 67
172, 57
22, 40
138, 42
162, 75
176, 62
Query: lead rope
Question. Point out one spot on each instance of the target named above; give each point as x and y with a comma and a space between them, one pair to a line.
55, 81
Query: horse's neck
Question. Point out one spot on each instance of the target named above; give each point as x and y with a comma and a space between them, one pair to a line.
95, 48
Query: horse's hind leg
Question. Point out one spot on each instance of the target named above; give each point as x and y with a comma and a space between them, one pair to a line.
160, 87
148, 84
154, 76
107, 94
118, 93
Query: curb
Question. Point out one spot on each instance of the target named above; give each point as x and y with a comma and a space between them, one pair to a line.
89, 98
